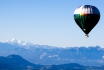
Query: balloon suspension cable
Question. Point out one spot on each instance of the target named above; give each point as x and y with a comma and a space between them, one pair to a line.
86, 36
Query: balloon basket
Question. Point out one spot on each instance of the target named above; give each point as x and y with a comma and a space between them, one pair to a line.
86, 36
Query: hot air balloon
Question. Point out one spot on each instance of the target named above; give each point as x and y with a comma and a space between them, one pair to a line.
86, 17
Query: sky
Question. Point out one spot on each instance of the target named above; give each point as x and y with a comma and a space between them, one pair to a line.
48, 22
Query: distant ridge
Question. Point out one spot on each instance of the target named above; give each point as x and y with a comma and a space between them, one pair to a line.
16, 62
48, 55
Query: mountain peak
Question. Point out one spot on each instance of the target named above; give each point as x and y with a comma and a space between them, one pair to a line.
14, 56
17, 41
13, 41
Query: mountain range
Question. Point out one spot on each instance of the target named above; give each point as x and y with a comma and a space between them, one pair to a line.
50, 55
16, 62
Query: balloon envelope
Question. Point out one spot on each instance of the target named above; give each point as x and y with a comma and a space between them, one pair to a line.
86, 17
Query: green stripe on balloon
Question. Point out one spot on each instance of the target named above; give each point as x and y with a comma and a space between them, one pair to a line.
81, 21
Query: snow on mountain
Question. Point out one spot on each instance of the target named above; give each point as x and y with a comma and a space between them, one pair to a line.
13, 41
16, 41
103, 57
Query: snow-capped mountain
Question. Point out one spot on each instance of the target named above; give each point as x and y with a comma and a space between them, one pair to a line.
27, 45
44, 54
16, 41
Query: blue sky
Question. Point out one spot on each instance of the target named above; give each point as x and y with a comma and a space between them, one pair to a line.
48, 22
